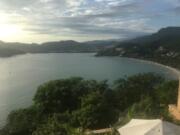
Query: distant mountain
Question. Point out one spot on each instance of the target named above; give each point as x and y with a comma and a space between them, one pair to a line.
9, 49
103, 43
163, 46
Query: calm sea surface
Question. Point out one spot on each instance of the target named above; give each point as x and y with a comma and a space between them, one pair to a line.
21, 75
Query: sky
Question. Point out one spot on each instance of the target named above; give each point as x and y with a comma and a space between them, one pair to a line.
82, 20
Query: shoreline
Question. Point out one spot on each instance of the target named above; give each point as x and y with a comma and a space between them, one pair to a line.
172, 69
175, 71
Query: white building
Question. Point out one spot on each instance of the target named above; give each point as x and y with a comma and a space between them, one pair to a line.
149, 127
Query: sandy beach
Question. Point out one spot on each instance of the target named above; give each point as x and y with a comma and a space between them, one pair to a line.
175, 71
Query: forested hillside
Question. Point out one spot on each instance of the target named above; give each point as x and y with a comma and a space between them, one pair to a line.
72, 106
69, 46
163, 47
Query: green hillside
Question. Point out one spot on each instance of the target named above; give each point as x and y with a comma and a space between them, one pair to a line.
163, 47
73, 106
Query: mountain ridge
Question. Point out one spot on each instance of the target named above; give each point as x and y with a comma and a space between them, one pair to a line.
163, 47
8, 49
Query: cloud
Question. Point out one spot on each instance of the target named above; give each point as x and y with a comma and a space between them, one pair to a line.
177, 10
113, 18
173, 2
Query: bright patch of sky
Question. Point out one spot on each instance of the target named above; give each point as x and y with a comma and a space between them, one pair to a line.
47, 20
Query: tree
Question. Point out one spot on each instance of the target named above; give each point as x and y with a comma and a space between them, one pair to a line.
60, 95
54, 127
134, 88
65, 94
145, 109
167, 93
22, 122
95, 112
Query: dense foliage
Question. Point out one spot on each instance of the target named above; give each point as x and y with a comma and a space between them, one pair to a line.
71, 106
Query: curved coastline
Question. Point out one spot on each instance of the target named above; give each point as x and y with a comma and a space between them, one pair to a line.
173, 109
173, 70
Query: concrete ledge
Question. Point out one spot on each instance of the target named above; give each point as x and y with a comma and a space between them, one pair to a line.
100, 131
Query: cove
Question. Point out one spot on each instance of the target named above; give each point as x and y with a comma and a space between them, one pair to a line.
21, 75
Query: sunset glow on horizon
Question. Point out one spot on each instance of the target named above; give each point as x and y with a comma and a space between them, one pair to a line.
82, 20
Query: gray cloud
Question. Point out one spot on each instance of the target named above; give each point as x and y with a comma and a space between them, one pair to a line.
114, 18
176, 10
